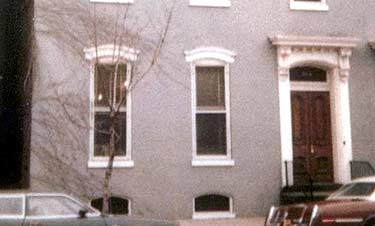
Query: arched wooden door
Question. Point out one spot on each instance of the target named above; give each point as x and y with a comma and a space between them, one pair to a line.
312, 140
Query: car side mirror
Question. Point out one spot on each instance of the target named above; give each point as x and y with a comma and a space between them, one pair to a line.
82, 213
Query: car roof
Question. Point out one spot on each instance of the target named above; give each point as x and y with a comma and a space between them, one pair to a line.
365, 179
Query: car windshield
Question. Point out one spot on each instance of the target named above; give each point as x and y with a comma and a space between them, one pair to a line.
358, 189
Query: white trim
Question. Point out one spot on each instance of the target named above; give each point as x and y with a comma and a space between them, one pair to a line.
309, 6
206, 53
116, 163
332, 53
213, 215
210, 3
111, 51
105, 56
205, 215
112, 1
210, 56
212, 162
309, 86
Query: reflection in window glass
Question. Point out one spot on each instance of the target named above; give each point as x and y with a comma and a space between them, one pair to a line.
357, 189
11, 206
210, 86
102, 134
211, 134
51, 206
307, 74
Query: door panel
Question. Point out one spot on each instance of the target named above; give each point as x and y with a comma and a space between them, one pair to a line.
312, 141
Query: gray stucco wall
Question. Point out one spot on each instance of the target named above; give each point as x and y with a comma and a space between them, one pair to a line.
163, 182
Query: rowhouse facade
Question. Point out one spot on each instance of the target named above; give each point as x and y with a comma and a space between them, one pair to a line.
223, 102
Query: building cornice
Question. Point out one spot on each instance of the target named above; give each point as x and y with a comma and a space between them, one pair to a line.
314, 41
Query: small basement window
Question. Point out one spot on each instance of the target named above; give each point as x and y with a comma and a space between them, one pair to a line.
117, 206
213, 206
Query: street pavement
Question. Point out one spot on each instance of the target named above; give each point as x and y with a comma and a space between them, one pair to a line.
253, 221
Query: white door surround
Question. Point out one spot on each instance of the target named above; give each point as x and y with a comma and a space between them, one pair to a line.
333, 55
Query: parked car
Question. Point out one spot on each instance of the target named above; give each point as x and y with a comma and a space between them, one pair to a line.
352, 204
59, 210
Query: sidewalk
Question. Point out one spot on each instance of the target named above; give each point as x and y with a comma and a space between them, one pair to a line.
254, 221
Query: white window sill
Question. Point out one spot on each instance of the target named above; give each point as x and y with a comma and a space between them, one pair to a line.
212, 162
112, 1
210, 3
309, 6
213, 215
116, 164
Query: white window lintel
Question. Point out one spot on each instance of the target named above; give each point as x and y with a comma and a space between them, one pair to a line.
206, 53
210, 3
309, 5
110, 50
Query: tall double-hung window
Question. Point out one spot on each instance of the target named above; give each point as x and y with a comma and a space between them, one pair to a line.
211, 137
109, 94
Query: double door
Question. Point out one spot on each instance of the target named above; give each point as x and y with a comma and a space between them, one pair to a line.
312, 140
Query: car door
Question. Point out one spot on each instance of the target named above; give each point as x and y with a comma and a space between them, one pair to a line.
12, 211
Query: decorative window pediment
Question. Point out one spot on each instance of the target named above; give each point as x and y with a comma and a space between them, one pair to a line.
111, 51
214, 53
210, 3
310, 50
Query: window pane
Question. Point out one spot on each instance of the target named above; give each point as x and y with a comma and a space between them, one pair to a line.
210, 86
308, 74
212, 203
102, 137
104, 78
116, 205
51, 206
211, 134
358, 189
11, 206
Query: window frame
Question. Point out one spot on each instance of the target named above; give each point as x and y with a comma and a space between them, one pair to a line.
309, 6
105, 56
210, 3
203, 215
210, 57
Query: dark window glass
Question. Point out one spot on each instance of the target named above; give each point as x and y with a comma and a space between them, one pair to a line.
212, 203
102, 137
104, 78
307, 74
358, 189
210, 86
211, 134
116, 205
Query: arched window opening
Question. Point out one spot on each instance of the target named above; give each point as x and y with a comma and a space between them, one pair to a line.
212, 206
117, 206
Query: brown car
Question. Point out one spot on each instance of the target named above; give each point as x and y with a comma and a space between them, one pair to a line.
352, 204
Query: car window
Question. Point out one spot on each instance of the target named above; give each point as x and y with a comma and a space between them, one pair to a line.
356, 189
11, 206
51, 206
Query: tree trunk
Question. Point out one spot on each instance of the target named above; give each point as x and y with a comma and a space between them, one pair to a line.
109, 169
